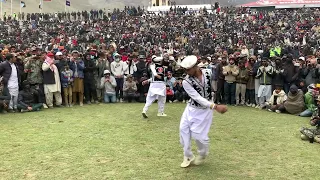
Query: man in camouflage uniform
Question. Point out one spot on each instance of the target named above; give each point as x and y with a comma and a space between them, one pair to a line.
33, 68
313, 134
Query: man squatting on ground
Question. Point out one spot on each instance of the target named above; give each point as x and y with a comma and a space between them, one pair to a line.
157, 89
197, 117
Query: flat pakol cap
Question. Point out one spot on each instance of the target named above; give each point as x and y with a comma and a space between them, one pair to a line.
189, 62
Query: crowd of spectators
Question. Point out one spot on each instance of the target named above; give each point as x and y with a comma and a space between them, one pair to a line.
261, 59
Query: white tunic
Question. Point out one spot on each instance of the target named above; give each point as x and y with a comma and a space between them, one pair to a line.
51, 88
156, 87
13, 84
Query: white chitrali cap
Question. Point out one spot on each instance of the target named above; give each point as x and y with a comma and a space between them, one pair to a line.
189, 62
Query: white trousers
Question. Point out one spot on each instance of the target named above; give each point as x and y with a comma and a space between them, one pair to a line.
49, 98
150, 99
195, 123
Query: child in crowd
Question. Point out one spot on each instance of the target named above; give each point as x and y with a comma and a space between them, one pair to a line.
277, 99
67, 85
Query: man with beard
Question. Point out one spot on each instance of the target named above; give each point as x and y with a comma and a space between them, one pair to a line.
157, 89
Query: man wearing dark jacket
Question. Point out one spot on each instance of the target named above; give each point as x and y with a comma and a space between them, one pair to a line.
89, 81
11, 79
291, 72
28, 98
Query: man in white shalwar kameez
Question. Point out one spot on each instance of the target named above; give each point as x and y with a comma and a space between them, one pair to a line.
157, 89
52, 89
197, 117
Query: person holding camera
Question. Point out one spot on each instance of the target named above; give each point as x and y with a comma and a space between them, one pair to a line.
108, 83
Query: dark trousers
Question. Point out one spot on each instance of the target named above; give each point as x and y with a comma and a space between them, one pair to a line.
129, 97
90, 91
220, 92
250, 97
35, 107
170, 98
40, 89
119, 88
286, 87
3, 107
180, 96
230, 93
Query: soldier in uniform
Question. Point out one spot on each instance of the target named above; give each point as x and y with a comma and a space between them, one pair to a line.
33, 68
157, 89
312, 134
197, 117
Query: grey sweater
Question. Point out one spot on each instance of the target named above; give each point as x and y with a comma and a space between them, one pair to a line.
109, 87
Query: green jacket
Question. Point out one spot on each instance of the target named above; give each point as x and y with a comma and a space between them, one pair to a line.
309, 101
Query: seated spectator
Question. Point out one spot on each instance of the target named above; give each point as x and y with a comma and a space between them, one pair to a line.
108, 83
67, 84
4, 97
129, 88
180, 93
277, 99
170, 94
309, 101
313, 134
295, 102
28, 99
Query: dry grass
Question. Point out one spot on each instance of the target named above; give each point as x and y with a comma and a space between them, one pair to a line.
114, 142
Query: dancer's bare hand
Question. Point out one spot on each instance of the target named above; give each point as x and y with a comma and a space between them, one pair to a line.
145, 82
221, 108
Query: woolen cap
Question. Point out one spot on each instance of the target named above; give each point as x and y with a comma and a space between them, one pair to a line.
189, 62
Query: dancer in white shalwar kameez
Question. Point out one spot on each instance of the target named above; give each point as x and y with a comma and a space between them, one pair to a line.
197, 117
157, 89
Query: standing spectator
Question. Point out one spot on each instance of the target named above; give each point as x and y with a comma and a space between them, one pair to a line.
11, 79
108, 83
118, 69
241, 86
230, 72
129, 88
169, 80
131, 66
250, 85
101, 64
89, 83
33, 68
291, 72
213, 67
220, 82
277, 79
51, 81
265, 73
77, 66
67, 84
180, 93
310, 72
